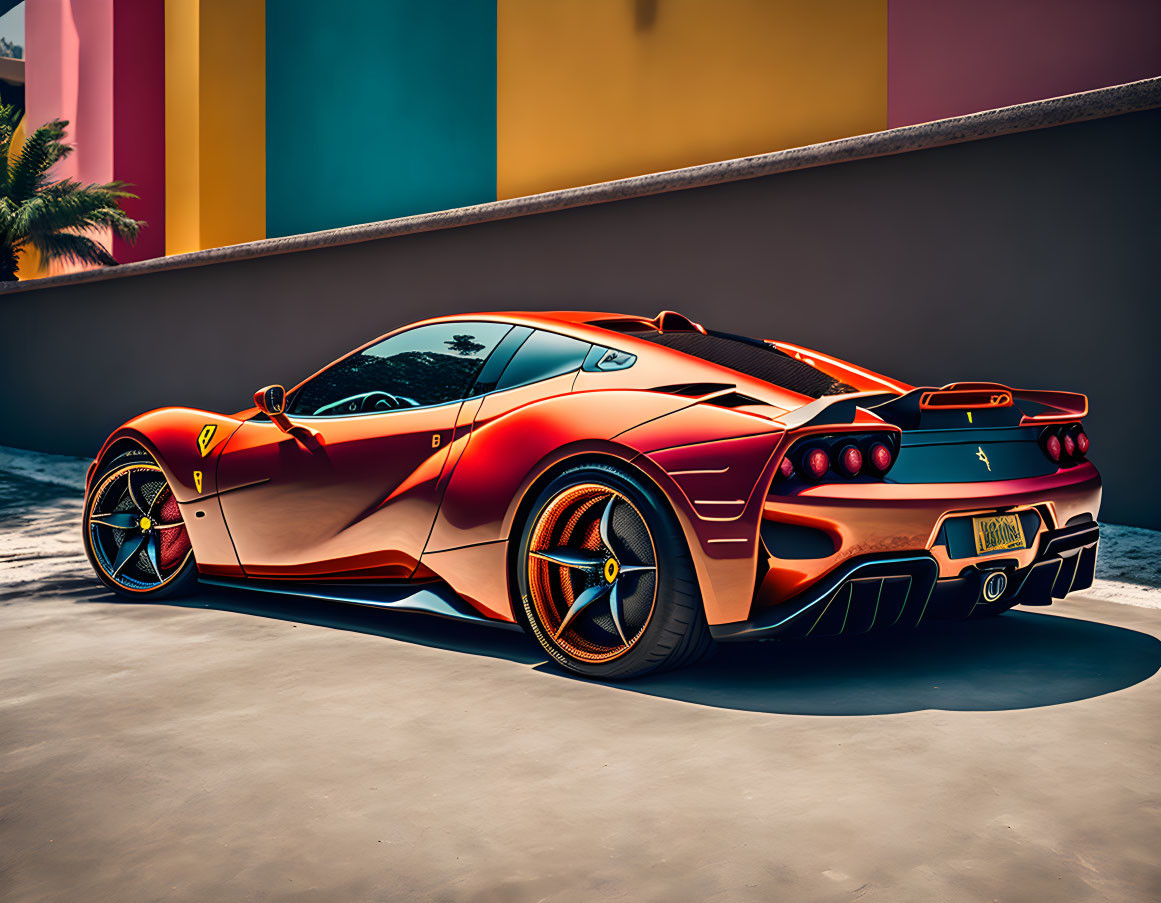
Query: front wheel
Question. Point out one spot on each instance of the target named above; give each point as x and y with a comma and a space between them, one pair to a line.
134, 536
606, 582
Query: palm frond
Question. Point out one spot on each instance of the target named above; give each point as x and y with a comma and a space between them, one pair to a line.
69, 205
55, 217
10, 117
7, 215
27, 173
71, 248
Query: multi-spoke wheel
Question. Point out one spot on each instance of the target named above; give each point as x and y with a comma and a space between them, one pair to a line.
133, 531
606, 581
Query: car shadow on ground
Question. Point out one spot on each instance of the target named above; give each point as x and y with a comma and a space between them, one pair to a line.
405, 626
1018, 661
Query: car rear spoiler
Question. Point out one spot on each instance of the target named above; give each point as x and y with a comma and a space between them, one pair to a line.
980, 404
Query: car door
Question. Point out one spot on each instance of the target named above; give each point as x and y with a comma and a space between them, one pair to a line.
360, 501
544, 365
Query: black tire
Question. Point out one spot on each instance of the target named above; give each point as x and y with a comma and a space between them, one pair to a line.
649, 617
110, 504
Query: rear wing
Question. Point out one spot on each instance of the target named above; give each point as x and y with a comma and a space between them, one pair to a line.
981, 404
1056, 406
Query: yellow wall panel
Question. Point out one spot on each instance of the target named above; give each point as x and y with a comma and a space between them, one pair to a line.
233, 121
28, 264
182, 145
215, 123
592, 90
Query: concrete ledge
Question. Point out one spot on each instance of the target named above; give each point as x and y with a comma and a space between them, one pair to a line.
1101, 103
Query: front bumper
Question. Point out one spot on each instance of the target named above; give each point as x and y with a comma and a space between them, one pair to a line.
902, 590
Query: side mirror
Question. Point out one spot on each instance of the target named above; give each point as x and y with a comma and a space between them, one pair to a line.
271, 400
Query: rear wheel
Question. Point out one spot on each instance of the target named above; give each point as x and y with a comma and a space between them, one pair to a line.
606, 582
134, 536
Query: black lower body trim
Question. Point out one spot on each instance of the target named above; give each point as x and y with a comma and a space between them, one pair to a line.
903, 590
430, 598
1066, 565
862, 595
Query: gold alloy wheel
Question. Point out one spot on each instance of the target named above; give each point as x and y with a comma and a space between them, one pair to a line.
135, 530
592, 572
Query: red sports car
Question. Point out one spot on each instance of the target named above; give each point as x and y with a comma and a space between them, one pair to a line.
627, 490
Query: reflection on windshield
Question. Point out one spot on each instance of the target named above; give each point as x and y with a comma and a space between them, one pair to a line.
424, 366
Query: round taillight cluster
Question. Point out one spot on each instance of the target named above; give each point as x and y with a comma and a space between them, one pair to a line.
816, 463
881, 457
1066, 445
1052, 447
851, 460
846, 456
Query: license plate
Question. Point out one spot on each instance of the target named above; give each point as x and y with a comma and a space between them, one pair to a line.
998, 534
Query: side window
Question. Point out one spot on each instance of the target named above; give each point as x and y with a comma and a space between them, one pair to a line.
544, 354
424, 366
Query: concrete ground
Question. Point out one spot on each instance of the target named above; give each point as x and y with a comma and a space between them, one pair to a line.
238, 747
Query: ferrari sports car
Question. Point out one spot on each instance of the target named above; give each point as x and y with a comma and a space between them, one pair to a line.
626, 490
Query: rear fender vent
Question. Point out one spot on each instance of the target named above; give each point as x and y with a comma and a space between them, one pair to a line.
693, 390
733, 400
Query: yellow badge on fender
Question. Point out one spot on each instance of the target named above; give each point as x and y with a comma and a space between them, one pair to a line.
198, 481
206, 437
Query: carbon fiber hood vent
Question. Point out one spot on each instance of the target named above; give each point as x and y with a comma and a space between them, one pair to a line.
753, 358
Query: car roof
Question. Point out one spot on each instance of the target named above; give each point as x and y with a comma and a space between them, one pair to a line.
582, 324
617, 330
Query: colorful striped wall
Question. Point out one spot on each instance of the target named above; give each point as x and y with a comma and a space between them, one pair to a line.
593, 90
215, 123
98, 64
377, 109
241, 119
950, 57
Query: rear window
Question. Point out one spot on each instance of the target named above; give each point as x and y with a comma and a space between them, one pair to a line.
543, 355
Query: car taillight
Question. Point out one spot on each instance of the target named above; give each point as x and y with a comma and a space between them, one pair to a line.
880, 457
1052, 446
1082, 442
816, 463
849, 455
1069, 445
851, 460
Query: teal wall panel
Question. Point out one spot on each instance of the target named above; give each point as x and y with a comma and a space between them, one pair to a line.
377, 109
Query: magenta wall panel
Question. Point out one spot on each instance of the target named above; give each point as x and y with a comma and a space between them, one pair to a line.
139, 120
951, 57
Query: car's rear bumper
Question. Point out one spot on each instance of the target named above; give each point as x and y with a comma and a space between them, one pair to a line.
883, 591
814, 541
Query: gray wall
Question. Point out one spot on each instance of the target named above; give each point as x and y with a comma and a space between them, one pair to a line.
1031, 259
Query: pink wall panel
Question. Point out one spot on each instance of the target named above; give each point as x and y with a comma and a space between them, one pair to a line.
69, 75
951, 57
99, 64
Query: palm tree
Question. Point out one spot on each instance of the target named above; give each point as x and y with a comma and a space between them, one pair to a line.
52, 216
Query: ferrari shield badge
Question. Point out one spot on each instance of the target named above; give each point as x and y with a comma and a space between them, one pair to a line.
205, 437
